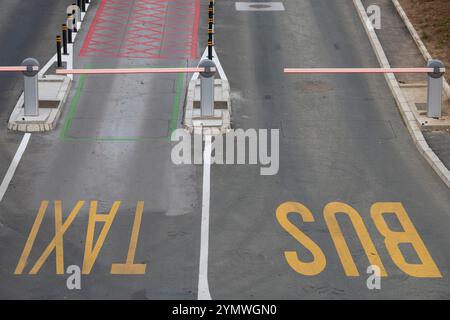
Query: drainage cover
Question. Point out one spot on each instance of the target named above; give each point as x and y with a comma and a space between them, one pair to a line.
259, 6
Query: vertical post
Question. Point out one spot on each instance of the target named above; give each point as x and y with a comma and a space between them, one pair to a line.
69, 28
31, 95
210, 28
69, 35
207, 88
74, 21
83, 5
64, 38
435, 85
58, 51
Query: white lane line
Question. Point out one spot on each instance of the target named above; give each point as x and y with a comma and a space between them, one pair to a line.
14, 163
47, 66
203, 287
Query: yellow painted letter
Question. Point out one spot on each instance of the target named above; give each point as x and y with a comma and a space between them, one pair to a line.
342, 249
91, 252
31, 238
57, 241
130, 267
427, 268
306, 268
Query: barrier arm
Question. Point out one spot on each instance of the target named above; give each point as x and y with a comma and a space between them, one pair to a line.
17, 68
359, 70
435, 70
129, 71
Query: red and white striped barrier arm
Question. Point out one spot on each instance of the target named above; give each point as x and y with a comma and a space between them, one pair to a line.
358, 70
130, 70
16, 69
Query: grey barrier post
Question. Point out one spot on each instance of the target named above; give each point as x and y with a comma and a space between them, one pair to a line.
207, 87
435, 84
31, 94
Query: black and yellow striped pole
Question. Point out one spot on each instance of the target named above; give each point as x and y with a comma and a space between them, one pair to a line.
210, 29
64, 38
58, 51
69, 27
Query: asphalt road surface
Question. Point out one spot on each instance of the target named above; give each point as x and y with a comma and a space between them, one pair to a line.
343, 148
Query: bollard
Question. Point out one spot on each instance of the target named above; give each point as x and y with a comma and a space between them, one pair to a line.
30, 88
83, 5
78, 4
64, 38
74, 22
207, 88
435, 85
58, 51
69, 28
69, 36
210, 45
210, 28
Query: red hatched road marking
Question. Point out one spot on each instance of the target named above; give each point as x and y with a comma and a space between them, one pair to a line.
143, 29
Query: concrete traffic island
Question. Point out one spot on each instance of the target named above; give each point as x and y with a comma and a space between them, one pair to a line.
220, 121
416, 96
53, 92
208, 102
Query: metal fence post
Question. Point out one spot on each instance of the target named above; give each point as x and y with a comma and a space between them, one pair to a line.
207, 87
31, 94
435, 85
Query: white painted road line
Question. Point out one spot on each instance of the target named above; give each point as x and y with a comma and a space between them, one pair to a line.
203, 287
14, 163
47, 66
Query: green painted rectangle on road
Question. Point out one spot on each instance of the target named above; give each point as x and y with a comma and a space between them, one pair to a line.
65, 135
